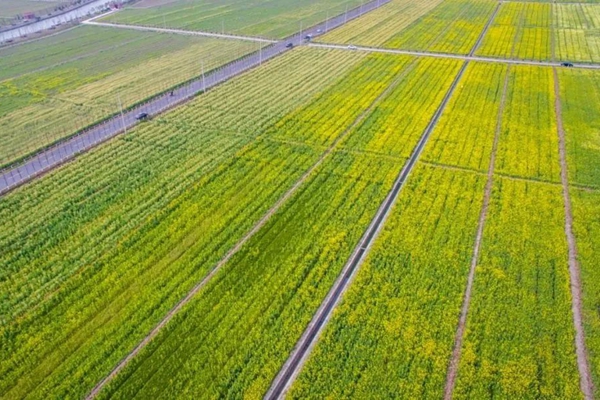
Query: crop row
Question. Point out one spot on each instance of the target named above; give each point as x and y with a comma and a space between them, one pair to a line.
234, 336
98, 306
56, 101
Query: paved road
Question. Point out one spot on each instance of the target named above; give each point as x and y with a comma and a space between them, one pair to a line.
303, 348
179, 31
453, 56
68, 149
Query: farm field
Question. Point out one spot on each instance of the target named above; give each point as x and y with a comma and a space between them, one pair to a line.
580, 99
157, 195
528, 146
578, 91
465, 133
586, 226
394, 330
577, 32
253, 316
521, 31
393, 333
82, 75
412, 284
451, 27
378, 26
537, 31
11, 8
264, 18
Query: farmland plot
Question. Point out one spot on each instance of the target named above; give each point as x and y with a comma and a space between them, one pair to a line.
452, 27
520, 30
528, 145
115, 239
411, 104
265, 18
378, 26
465, 133
577, 32
84, 79
11, 8
392, 335
580, 98
519, 341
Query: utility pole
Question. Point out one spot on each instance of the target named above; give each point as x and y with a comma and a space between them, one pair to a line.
300, 28
223, 26
259, 54
346, 14
326, 21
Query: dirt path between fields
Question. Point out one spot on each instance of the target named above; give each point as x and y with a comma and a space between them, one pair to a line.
460, 330
585, 378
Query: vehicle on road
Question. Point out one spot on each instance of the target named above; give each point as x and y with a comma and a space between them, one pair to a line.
289, 45
142, 116
566, 64
308, 37
352, 47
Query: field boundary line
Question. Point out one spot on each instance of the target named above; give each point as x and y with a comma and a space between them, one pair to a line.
462, 322
287, 195
178, 31
585, 377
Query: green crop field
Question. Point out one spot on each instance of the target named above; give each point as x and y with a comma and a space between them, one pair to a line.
55, 86
265, 18
334, 222
11, 8
531, 31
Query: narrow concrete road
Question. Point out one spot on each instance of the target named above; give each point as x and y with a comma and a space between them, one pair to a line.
66, 150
